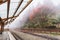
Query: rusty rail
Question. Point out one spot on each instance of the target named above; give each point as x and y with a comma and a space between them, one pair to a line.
40, 30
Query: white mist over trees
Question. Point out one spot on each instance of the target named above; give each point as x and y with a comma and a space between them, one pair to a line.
45, 16
47, 10
42, 18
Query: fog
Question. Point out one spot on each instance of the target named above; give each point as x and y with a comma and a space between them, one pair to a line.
24, 16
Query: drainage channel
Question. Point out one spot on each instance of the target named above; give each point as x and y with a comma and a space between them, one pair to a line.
16, 36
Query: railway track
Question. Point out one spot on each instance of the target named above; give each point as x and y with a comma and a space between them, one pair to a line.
16, 36
48, 38
39, 30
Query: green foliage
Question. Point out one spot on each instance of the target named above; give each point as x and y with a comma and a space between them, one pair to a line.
42, 19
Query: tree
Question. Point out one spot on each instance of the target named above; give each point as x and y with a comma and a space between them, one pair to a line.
42, 18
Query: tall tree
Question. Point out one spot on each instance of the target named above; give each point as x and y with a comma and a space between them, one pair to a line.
42, 18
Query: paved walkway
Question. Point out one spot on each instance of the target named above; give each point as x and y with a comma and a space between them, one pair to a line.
1, 37
4, 36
